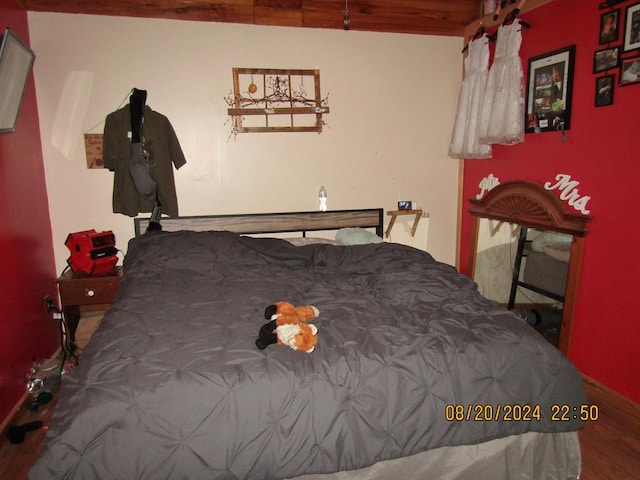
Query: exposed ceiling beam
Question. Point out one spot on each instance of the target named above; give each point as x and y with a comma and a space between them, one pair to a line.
424, 17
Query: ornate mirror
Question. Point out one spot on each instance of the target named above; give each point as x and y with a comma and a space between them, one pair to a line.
527, 206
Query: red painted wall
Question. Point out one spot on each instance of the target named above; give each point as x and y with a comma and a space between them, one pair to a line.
603, 154
26, 249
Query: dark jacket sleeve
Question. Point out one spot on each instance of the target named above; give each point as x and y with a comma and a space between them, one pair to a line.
175, 151
112, 154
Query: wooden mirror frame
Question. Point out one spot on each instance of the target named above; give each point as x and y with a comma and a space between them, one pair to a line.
528, 203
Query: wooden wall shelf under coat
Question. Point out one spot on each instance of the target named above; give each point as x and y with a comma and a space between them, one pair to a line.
276, 100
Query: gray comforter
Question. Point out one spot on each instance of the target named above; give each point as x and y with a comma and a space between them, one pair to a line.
410, 357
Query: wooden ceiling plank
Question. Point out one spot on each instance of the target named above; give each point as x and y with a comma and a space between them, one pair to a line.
433, 17
278, 17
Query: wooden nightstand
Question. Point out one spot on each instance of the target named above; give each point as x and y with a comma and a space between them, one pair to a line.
81, 291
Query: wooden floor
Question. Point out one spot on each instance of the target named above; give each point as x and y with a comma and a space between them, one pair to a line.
16, 459
610, 446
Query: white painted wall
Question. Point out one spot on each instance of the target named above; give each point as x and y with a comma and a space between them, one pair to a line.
392, 98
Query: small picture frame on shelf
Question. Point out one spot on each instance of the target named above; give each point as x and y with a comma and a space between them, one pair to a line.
629, 71
609, 26
632, 28
604, 90
606, 59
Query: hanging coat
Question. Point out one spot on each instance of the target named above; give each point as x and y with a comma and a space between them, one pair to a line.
164, 153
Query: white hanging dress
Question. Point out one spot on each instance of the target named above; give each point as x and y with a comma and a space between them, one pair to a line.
466, 129
502, 116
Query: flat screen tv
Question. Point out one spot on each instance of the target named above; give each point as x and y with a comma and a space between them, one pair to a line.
16, 60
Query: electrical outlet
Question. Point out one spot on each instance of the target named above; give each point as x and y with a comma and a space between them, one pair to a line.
49, 306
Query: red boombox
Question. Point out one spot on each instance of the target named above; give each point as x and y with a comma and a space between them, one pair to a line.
92, 252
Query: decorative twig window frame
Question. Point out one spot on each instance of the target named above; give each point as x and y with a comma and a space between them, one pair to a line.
266, 100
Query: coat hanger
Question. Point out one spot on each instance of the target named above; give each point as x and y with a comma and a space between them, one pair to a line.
124, 101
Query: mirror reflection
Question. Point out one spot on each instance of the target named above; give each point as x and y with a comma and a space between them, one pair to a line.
525, 269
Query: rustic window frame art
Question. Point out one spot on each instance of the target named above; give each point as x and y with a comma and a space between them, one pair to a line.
276, 100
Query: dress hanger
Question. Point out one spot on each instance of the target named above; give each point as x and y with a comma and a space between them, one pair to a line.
479, 32
511, 16
503, 4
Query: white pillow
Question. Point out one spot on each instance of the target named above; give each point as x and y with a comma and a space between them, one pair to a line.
356, 236
559, 251
548, 238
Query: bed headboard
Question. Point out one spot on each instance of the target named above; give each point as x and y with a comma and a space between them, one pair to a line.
255, 223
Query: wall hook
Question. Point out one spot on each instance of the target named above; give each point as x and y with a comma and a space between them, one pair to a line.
560, 127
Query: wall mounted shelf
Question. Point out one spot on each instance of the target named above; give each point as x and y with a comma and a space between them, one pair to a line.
394, 214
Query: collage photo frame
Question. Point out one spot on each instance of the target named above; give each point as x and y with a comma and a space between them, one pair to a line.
619, 56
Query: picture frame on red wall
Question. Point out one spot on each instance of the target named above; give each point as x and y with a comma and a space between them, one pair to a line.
630, 71
632, 28
606, 59
609, 22
604, 90
549, 91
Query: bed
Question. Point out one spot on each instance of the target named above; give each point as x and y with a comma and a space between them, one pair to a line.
415, 374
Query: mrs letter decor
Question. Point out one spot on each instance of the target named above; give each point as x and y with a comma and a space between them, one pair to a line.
569, 192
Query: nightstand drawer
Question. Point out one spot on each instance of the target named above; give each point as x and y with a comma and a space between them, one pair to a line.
81, 289
87, 293
90, 292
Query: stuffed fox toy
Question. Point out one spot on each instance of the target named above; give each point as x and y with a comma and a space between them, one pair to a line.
288, 326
